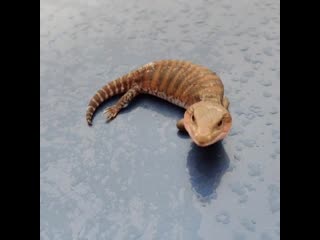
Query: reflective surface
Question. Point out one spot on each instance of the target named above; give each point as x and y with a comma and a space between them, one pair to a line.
137, 177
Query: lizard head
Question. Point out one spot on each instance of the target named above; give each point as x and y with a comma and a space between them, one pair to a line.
207, 122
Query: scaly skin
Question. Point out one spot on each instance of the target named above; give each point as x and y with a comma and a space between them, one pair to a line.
190, 86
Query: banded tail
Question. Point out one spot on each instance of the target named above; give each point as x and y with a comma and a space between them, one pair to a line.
111, 89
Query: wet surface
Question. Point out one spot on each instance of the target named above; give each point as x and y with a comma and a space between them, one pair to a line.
137, 177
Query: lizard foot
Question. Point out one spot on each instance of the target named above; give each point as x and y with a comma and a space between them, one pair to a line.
110, 113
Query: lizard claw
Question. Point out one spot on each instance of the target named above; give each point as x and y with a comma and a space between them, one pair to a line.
110, 113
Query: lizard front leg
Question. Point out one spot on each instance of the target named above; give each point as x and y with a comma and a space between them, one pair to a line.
225, 102
180, 125
111, 112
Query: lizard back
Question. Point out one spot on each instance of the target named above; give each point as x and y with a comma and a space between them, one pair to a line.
182, 83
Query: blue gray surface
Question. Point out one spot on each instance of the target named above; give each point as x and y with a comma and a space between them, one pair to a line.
137, 177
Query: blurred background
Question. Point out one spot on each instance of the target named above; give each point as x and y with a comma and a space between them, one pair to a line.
137, 177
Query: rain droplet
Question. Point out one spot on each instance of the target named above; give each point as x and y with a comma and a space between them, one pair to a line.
265, 236
245, 122
260, 114
239, 111
236, 157
274, 110
250, 187
238, 148
270, 36
223, 217
278, 228
231, 167
234, 131
248, 74
247, 58
244, 48
266, 83
248, 142
268, 51
254, 169
265, 20
250, 116
243, 199
226, 6
267, 94
274, 198
249, 225
243, 80
239, 236
276, 133
237, 188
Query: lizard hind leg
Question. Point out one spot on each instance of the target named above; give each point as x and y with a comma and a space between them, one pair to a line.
111, 112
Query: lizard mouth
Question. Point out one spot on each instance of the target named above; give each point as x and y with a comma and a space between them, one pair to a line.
209, 137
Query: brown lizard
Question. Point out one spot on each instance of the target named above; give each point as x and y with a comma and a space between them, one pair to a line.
191, 86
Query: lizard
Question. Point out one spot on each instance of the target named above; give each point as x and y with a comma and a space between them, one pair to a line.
194, 87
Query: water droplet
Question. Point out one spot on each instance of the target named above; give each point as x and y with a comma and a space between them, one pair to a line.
239, 236
223, 217
270, 36
278, 228
265, 20
268, 51
238, 148
243, 80
274, 110
243, 199
276, 133
226, 6
266, 83
250, 187
256, 61
250, 115
274, 198
235, 131
254, 169
247, 224
237, 188
244, 48
247, 58
260, 114
239, 111
245, 122
231, 167
265, 236
248, 142
267, 94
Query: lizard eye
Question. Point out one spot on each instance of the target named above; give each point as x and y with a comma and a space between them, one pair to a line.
193, 118
220, 123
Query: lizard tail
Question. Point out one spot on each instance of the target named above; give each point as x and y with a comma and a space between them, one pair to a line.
111, 89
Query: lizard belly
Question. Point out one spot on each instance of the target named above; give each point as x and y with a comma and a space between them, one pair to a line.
164, 96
